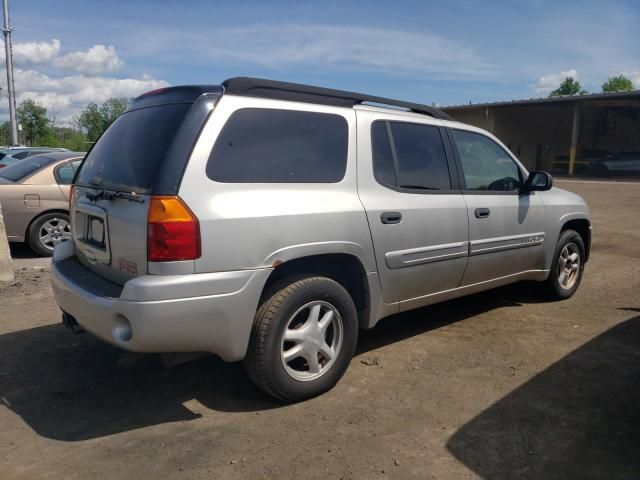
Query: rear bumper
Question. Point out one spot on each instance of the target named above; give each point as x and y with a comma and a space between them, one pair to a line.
170, 313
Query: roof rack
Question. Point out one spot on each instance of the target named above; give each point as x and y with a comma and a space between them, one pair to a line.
258, 87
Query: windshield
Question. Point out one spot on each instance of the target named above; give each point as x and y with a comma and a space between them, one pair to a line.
127, 157
22, 169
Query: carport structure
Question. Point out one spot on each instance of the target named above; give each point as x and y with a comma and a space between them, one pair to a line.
584, 135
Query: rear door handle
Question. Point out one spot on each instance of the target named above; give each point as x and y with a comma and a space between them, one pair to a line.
482, 212
391, 217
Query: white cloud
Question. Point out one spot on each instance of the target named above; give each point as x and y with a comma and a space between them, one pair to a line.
546, 83
68, 95
97, 59
351, 48
35, 52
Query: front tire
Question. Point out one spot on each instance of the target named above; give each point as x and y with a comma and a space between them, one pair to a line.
47, 231
567, 267
303, 339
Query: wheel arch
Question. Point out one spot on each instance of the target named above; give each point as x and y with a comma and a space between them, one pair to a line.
583, 227
344, 268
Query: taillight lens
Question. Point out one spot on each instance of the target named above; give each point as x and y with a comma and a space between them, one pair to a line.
173, 232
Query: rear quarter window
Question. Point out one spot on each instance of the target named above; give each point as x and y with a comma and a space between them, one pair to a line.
128, 156
280, 146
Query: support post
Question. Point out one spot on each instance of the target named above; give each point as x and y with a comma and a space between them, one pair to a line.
575, 132
6, 266
10, 85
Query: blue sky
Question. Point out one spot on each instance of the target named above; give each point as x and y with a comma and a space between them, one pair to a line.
71, 52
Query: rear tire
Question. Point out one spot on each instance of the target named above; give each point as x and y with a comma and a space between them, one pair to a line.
303, 339
48, 230
567, 267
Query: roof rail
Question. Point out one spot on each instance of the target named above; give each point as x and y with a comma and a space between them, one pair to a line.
258, 87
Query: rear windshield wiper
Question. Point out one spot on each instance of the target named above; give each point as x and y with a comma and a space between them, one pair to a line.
110, 195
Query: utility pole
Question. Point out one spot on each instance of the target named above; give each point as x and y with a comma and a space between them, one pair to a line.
10, 85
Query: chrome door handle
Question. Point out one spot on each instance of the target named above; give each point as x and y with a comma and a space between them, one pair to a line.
482, 212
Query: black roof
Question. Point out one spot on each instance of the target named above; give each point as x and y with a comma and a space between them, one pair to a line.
258, 87
177, 94
262, 88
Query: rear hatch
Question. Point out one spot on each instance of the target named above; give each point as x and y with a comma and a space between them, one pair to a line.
143, 153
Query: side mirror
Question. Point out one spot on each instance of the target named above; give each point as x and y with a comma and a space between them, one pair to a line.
538, 181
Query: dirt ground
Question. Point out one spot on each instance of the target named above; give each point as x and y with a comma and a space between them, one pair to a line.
500, 385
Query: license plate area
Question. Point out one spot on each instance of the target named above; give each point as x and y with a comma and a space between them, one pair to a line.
91, 233
95, 232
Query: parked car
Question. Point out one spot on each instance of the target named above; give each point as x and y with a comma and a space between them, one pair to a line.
269, 221
34, 195
8, 160
616, 165
23, 152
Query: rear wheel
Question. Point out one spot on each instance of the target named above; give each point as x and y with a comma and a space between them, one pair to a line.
568, 266
303, 338
47, 231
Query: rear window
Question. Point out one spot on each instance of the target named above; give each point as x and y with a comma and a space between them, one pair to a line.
128, 155
280, 146
22, 169
409, 156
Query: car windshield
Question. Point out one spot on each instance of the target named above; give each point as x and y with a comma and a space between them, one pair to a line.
22, 169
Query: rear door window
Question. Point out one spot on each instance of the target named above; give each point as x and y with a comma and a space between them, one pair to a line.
64, 173
260, 145
409, 156
128, 155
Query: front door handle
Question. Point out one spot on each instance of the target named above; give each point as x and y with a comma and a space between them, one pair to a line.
391, 217
482, 212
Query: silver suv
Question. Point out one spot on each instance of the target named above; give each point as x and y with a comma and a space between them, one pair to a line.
270, 221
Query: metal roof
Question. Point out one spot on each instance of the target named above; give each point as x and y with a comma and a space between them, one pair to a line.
546, 100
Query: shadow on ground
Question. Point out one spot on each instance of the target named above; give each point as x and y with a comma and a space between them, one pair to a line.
73, 388
21, 250
578, 419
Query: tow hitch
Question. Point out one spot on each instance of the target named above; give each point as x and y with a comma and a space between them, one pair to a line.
71, 323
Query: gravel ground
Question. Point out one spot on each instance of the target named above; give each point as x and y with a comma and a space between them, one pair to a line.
500, 385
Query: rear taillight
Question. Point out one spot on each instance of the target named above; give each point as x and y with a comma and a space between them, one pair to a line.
173, 232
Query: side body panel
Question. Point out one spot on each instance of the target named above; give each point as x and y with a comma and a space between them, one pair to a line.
21, 203
426, 251
507, 229
561, 207
511, 240
251, 225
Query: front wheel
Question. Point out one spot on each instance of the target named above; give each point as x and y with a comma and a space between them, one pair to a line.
303, 339
568, 266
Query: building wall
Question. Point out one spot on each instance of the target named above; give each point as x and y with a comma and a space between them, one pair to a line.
540, 135
532, 133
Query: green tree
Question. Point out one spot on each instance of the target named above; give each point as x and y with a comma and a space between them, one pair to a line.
95, 119
33, 118
90, 120
569, 86
66, 137
5, 133
619, 83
